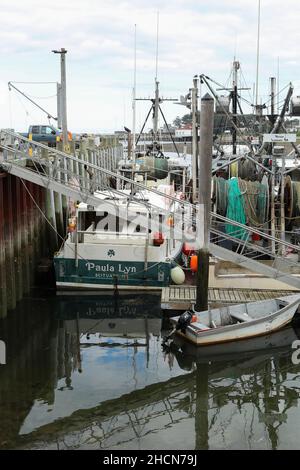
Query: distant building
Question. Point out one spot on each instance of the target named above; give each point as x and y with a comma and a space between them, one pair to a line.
184, 132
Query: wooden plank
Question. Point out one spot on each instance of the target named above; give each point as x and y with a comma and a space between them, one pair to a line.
226, 295
194, 294
238, 296
255, 296
216, 295
232, 296
211, 295
181, 297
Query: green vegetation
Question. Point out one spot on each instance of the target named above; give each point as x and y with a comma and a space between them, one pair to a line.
183, 121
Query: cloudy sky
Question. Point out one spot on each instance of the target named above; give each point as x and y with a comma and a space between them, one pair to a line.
195, 36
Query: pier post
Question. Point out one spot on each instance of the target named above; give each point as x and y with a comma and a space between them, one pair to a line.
50, 213
205, 168
24, 239
3, 296
9, 243
16, 199
31, 234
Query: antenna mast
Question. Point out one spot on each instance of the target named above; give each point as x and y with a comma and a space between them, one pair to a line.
133, 101
157, 30
257, 54
156, 100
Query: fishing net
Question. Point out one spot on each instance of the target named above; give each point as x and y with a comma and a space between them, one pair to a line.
235, 210
255, 202
221, 195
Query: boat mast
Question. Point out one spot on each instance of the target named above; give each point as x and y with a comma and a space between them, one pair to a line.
156, 99
133, 102
236, 66
257, 57
155, 112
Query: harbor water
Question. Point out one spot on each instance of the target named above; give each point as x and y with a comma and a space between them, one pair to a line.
91, 373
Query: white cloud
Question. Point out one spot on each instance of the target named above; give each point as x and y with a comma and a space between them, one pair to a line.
196, 36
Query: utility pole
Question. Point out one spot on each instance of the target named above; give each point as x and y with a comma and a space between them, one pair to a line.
58, 94
62, 53
203, 222
195, 137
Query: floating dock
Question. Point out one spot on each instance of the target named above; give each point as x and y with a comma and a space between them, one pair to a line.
183, 297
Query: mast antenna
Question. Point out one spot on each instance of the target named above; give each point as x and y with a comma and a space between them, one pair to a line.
257, 54
134, 100
157, 31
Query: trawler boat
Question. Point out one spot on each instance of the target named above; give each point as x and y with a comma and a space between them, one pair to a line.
112, 247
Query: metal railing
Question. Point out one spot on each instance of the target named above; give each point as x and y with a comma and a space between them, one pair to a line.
80, 179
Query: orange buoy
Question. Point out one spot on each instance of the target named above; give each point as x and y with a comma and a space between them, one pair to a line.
170, 221
72, 224
194, 263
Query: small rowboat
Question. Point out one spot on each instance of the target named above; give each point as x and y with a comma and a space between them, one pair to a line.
236, 322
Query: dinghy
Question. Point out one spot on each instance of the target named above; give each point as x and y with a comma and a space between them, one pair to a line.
236, 322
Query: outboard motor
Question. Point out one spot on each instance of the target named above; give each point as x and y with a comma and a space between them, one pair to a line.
184, 320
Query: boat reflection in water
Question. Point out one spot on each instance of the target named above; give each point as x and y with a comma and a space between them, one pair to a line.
251, 374
84, 374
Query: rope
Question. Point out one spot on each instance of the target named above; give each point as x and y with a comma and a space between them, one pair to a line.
221, 195
255, 202
252, 194
296, 191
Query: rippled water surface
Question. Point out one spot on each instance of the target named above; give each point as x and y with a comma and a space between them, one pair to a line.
90, 373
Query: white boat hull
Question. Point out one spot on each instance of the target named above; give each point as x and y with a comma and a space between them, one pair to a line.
239, 331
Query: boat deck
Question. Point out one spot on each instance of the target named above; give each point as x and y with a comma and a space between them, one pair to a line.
182, 297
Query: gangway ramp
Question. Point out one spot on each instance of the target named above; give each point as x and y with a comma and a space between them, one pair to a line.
80, 180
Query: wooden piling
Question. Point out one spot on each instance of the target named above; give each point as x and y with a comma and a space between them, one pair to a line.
24, 238
205, 168
31, 234
17, 236
9, 220
3, 295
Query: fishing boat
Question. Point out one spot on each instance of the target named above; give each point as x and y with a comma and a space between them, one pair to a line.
236, 322
118, 249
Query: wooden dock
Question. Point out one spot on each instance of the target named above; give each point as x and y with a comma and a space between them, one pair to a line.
183, 297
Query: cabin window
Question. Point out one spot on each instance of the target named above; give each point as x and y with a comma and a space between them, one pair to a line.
35, 129
137, 223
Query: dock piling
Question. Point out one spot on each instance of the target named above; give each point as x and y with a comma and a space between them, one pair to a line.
205, 165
